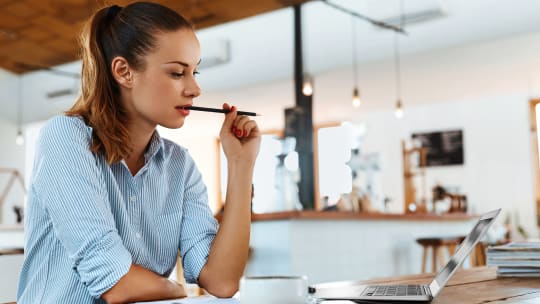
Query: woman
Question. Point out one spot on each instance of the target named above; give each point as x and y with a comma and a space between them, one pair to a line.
111, 202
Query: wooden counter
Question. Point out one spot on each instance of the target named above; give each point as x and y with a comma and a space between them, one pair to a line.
337, 215
11, 251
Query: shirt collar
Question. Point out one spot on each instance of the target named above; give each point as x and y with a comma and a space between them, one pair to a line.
156, 145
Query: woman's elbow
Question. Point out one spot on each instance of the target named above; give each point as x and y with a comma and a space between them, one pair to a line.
224, 290
112, 298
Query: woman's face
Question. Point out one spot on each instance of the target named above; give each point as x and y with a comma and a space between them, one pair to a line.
167, 82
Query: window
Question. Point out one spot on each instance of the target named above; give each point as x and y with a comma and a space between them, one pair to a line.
275, 175
535, 121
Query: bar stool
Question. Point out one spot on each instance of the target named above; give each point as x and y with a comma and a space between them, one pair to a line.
437, 244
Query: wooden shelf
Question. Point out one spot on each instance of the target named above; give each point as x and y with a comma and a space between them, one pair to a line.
410, 170
336, 215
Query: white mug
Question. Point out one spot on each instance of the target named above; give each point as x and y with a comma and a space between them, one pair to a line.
273, 290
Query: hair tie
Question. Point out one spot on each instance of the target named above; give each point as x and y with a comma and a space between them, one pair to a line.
112, 12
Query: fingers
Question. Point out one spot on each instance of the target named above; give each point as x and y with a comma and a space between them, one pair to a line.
240, 125
246, 130
229, 117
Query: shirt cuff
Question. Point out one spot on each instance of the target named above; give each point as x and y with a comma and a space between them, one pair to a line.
195, 259
104, 265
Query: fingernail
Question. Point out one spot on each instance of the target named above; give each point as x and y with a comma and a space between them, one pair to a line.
239, 133
233, 129
245, 133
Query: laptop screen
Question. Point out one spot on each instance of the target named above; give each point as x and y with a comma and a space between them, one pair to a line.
466, 246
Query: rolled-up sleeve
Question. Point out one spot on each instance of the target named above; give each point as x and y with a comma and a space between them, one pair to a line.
71, 189
199, 226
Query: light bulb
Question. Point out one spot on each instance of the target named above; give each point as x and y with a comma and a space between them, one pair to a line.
307, 89
19, 140
399, 109
356, 98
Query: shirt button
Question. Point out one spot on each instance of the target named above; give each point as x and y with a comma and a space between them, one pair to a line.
133, 198
138, 235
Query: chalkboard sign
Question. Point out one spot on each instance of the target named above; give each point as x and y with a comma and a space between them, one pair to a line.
443, 148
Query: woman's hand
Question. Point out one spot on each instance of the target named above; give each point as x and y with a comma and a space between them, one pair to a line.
240, 136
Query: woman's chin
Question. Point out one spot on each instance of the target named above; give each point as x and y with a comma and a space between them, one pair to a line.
173, 125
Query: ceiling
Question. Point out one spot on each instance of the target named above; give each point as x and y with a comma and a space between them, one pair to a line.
261, 46
43, 33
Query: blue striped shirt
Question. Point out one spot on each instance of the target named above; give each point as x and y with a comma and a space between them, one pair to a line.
88, 221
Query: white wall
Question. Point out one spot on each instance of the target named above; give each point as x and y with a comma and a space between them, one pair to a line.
11, 157
497, 172
482, 89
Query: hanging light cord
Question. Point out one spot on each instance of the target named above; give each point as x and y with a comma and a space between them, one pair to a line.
397, 67
396, 54
355, 64
19, 106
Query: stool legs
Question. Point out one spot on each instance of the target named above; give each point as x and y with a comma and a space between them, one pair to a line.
434, 255
437, 257
440, 246
424, 258
442, 258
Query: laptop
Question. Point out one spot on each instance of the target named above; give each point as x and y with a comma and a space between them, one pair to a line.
406, 293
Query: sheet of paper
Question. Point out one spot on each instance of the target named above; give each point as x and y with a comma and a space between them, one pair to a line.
195, 300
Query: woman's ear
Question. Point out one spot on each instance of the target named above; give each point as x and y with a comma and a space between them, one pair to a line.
122, 72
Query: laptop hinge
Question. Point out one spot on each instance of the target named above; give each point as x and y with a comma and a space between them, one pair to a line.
434, 288
426, 290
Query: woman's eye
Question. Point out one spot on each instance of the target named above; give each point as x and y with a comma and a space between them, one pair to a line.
179, 75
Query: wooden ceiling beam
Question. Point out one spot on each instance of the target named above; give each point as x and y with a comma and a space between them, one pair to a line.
44, 32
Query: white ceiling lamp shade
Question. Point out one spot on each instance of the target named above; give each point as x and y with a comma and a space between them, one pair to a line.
356, 101
19, 140
307, 87
398, 112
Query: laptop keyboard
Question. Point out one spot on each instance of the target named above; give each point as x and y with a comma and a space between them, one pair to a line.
394, 290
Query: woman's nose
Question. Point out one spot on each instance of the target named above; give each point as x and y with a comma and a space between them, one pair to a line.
192, 89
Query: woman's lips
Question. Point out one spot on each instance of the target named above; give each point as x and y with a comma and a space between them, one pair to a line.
183, 110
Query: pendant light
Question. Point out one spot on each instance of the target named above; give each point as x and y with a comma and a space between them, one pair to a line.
19, 140
399, 103
356, 101
307, 87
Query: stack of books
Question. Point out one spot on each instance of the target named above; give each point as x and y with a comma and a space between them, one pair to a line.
515, 259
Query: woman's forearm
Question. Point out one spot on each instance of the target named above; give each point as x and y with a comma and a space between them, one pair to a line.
228, 255
141, 284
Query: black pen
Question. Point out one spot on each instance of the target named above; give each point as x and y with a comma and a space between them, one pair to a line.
204, 109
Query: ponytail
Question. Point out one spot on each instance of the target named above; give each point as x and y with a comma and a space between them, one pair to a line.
110, 32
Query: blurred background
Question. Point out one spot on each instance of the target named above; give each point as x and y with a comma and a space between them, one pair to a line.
405, 117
